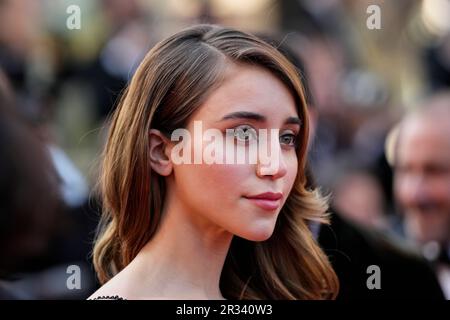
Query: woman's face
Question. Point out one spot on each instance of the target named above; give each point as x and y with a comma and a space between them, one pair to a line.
225, 195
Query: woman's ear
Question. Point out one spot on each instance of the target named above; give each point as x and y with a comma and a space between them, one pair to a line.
159, 153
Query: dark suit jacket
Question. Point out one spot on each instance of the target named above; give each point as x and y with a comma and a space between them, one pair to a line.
351, 249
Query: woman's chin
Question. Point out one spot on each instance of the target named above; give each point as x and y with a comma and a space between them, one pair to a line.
258, 234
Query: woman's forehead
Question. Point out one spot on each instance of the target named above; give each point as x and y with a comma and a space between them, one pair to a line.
249, 88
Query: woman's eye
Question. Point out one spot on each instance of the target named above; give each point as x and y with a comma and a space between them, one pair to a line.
288, 139
245, 133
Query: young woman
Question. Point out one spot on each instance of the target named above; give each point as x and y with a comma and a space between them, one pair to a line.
200, 230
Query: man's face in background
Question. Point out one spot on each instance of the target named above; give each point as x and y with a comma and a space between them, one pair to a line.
422, 177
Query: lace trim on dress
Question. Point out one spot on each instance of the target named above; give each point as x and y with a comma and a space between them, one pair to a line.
109, 298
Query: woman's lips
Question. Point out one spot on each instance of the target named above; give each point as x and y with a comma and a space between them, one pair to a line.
267, 201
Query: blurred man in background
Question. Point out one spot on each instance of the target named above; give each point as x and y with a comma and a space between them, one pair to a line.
353, 247
422, 182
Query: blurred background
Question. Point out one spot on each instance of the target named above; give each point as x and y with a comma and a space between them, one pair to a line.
58, 85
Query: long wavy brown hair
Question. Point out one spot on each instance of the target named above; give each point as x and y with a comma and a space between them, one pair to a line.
172, 81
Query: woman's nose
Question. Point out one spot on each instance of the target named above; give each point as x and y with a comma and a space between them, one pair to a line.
275, 167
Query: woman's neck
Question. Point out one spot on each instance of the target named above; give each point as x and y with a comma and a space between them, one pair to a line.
184, 259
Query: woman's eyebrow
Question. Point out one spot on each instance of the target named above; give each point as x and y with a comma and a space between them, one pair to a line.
293, 120
257, 117
244, 115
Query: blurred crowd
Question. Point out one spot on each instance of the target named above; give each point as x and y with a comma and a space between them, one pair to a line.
379, 99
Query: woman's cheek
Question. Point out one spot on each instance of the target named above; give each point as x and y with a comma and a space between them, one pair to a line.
226, 178
292, 170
